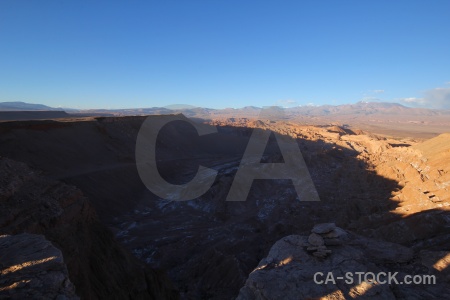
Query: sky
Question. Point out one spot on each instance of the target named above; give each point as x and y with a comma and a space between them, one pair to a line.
224, 53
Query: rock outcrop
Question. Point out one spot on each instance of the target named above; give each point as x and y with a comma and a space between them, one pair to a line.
97, 265
323, 235
31, 267
291, 271
383, 188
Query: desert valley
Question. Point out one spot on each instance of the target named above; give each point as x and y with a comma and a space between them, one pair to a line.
224, 150
70, 190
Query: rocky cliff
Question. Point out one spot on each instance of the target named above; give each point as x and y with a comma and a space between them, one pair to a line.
97, 266
31, 267
377, 187
332, 263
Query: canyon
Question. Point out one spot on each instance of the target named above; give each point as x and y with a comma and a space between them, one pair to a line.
74, 182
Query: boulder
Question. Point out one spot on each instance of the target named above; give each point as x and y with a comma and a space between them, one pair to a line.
31, 267
323, 228
315, 240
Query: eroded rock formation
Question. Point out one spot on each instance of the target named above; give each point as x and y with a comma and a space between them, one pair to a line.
291, 271
32, 268
378, 187
97, 265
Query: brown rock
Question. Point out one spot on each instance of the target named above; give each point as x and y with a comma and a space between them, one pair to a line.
361, 254
97, 265
333, 242
320, 254
315, 240
31, 265
335, 233
323, 228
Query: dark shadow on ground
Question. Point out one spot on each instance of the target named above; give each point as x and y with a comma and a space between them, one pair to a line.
207, 245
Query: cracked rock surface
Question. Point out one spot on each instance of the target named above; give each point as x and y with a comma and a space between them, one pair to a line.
289, 270
31, 267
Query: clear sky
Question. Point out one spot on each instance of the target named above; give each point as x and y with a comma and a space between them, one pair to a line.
224, 53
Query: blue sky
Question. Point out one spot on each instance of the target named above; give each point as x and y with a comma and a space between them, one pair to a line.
211, 53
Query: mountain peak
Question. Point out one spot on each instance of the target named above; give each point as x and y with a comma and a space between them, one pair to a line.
20, 106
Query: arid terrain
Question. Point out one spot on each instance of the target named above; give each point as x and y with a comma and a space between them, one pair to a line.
386, 119
384, 180
245, 150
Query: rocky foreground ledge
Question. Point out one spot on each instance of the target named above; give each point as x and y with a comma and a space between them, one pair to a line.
291, 269
31, 267
33, 207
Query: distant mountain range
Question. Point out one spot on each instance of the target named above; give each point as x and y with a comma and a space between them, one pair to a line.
391, 119
359, 108
179, 106
365, 108
23, 106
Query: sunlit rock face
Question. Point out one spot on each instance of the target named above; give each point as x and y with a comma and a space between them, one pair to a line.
31, 267
291, 270
97, 266
378, 187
